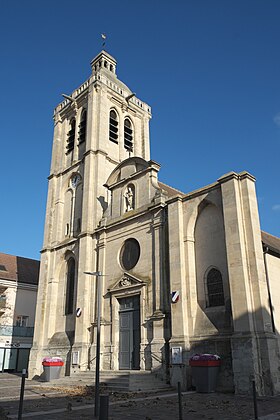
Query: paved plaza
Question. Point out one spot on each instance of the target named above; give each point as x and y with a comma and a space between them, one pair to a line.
44, 401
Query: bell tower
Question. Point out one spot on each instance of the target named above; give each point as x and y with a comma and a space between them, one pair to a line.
99, 125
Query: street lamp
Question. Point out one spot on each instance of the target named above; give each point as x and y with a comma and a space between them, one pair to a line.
97, 274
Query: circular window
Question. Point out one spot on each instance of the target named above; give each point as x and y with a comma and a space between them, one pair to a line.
130, 254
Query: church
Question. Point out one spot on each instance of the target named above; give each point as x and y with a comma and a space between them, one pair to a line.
181, 273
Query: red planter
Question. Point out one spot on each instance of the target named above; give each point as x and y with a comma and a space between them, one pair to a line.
52, 363
52, 369
205, 362
205, 371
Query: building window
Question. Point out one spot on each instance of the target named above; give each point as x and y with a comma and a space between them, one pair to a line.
128, 135
22, 321
83, 127
70, 286
215, 290
113, 126
71, 136
130, 254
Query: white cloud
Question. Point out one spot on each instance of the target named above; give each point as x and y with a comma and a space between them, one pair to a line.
276, 119
276, 207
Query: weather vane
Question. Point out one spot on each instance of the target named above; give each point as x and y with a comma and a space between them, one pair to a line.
103, 36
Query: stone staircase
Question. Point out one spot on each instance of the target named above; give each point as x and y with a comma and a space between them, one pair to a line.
146, 381
122, 381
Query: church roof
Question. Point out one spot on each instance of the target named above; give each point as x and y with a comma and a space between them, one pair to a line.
170, 191
272, 242
19, 269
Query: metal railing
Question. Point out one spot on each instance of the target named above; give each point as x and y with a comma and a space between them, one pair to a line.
15, 331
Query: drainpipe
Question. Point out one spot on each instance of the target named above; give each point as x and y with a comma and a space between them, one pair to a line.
268, 288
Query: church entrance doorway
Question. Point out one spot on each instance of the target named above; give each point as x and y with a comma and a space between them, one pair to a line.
129, 334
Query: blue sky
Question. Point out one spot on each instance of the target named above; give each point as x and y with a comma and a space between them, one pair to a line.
210, 69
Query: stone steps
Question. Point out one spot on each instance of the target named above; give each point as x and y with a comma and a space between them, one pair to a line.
112, 380
115, 380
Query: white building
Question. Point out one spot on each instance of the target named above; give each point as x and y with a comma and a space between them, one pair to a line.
18, 292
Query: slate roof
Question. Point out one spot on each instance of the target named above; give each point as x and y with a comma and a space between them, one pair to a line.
272, 242
19, 269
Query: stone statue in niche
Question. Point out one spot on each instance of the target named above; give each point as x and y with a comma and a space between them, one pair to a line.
129, 198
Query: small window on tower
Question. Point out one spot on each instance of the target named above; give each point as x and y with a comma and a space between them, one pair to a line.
83, 127
113, 126
71, 136
70, 284
128, 135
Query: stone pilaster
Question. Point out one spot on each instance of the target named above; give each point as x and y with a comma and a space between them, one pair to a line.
179, 310
177, 262
49, 219
146, 139
85, 300
158, 262
157, 321
35, 358
158, 357
252, 341
57, 149
105, 342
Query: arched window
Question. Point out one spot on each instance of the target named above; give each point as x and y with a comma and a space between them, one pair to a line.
128, 135
83, 127
215, 289
113, 126
70, 286
71, 135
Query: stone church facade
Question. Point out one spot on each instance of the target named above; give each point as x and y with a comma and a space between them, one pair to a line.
187, 271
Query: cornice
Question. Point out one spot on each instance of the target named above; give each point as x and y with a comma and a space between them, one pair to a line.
61, 245
128, 217
238, 176
18, 285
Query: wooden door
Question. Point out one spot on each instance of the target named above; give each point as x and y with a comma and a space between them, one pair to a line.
129, 334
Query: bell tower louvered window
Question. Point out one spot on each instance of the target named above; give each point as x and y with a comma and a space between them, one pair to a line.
113, 126
71, 136
128, 135
83, 127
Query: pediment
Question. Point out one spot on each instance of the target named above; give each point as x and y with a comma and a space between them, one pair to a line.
126, 169
127, 281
